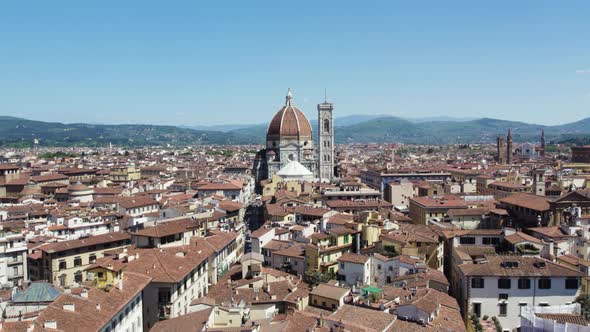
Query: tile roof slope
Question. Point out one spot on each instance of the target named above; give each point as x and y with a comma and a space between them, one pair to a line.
527, 266
534, 202
136, 201
353, 258
193, 322
164, 265
89, 241
566, 318
86, 315
165, 228
375, 319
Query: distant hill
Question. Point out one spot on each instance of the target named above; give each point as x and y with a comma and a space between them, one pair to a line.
485, 130
18, 132
438, 118
21, 133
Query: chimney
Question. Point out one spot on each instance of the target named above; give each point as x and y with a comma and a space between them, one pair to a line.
121, 284
98, 306
136, 255
69, 307
50, 324
84, 293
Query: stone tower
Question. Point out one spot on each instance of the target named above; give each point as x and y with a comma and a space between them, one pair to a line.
509, 147
542, 151
539, 182
326, 140
501, 150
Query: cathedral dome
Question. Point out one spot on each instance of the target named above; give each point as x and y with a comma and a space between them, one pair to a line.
289, 123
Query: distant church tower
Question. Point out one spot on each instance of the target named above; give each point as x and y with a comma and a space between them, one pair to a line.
539, 182
542, 151
500, 150
326, 140
509, 148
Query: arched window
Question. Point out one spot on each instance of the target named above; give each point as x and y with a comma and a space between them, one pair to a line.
327, 125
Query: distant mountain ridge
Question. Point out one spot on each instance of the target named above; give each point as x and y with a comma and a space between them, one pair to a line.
17, 132
385, 128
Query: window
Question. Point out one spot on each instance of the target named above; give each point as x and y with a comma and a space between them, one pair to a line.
571, 283
544, 283
491, 240
78, 277
78, 261
543, 304
477, 283
504, 283
326, 125
341, 265
63, 265
467, 240
100, 275
502, 296
477, 309
346, 238
521, 305
524, 283
164, 295
503, 309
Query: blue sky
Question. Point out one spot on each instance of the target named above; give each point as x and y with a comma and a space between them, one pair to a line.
195, 63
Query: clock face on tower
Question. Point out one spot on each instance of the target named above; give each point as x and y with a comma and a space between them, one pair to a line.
291, 157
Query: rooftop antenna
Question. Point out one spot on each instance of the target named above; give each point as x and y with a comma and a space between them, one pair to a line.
325, 95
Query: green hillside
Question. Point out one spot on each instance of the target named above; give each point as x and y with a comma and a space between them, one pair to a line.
21, 133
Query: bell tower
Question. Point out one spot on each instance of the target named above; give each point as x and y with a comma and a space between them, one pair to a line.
326, 140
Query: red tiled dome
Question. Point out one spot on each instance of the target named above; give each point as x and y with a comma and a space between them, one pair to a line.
289, 122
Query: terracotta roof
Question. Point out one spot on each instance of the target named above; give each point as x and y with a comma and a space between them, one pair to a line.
193, 322
329, 291
220, 240
565, 318
339, 203
520, 237
296, 250
430, 202
80, 243
289, 122
353, 258
530, 201
166, 228
274, 245
136, 201
527, 267
171, 264
219, 186
8, 167
376, 320
48, 177
87, 316
569, 259
550, 231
